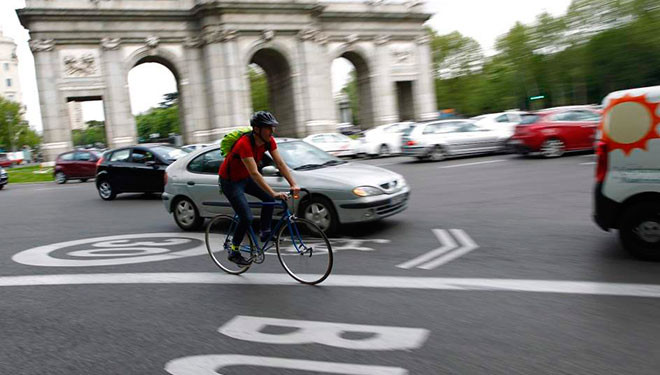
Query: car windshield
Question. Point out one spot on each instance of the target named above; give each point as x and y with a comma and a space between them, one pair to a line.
300, 155
528, 119
169, 153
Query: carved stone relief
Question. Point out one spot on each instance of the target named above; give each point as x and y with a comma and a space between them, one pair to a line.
79, 66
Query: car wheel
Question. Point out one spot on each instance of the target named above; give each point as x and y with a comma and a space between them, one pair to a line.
186, 215
437, 153
640, 230
552, 148
83, 180
2, 186
106, 191
60, 178
320, 211
384, 150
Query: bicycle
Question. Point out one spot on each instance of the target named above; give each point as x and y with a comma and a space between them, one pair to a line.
302, 248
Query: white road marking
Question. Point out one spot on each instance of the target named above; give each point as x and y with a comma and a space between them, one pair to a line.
347, 281
212, 363
447, 244
249, 328
589, 163
477, 163
128, 249
468, 246
442, 255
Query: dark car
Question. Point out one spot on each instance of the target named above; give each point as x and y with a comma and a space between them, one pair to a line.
3, 178
555, 131
76, 165
134, 169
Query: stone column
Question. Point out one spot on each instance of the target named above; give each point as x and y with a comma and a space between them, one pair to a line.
236, 82
385, 103
116, 99
56, 130
423, 88
317, 106
193, 94
216, 85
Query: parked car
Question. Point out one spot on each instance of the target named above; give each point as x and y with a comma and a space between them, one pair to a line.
76, 165
438, 140
334, 143
384, 140
627, 186
134, 169
193, 147
555, 131
342, 192
10, 159
4, 178
503, 121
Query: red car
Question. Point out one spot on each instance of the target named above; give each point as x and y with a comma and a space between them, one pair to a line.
552, 132
76, 165
6, 162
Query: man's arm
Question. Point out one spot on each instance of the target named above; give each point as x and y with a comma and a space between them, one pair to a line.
251, 166
284, 170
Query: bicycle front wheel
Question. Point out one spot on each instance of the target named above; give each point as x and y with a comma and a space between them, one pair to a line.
304, 251
218, 238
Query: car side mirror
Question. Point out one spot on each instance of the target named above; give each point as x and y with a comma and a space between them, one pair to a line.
270, 171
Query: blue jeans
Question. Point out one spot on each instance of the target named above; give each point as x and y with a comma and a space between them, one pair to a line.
235, 192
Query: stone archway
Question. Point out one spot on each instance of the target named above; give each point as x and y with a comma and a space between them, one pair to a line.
208, 44
280, 88
366, 98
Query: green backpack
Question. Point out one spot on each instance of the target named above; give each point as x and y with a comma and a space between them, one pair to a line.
229, 140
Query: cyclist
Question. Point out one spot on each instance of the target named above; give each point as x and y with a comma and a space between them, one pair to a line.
239, 175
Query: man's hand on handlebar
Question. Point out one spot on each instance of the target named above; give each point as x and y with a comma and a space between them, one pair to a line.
295, 190
281, 195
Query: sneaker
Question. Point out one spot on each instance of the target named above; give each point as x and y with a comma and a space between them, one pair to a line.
236, 257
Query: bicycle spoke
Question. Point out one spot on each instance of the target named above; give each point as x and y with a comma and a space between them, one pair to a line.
304, 251
219, 234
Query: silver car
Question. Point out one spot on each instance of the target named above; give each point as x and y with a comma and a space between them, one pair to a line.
441, 139
342, 192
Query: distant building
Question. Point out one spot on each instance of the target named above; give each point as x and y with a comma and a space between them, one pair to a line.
76, 116
10, 87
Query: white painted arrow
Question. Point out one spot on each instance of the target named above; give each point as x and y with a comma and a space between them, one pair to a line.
467, 246
447, 244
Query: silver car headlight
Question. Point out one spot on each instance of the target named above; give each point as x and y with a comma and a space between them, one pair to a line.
367, 191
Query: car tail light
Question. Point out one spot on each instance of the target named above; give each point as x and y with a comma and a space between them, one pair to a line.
601, 167
99, 161
411, 143
165, 179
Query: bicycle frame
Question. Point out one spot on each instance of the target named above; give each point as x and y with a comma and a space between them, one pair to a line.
285, 219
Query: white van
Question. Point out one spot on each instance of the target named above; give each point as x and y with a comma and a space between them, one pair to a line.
627, 194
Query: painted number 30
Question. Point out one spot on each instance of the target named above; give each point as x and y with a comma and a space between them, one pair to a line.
251, 329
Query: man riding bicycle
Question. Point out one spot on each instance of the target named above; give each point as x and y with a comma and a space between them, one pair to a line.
239, 175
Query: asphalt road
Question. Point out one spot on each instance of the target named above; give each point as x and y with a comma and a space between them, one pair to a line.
541, 290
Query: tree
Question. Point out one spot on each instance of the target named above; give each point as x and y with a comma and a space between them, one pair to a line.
169, 100
455, 55
258, 88
350, 89
14, 130
95, 133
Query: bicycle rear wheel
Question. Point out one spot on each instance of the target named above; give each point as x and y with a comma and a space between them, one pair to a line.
304, 251
219, 234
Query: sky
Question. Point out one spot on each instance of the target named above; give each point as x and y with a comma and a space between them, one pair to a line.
482, 20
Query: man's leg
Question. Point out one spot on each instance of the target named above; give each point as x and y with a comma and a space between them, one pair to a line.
235, 193
266, 211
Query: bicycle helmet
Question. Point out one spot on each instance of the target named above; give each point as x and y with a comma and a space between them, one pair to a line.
263, 118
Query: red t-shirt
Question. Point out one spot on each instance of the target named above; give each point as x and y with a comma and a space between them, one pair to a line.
242, 148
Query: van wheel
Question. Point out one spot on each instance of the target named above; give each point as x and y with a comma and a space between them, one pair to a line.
640, 230
186, 215
320, 211
384, 150
553, 148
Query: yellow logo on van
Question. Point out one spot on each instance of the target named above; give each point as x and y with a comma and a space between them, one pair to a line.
630, 122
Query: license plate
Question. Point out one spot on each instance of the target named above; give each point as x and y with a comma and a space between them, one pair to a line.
398, 199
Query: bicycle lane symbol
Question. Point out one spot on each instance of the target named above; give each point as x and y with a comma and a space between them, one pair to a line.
142, 248
249, 328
